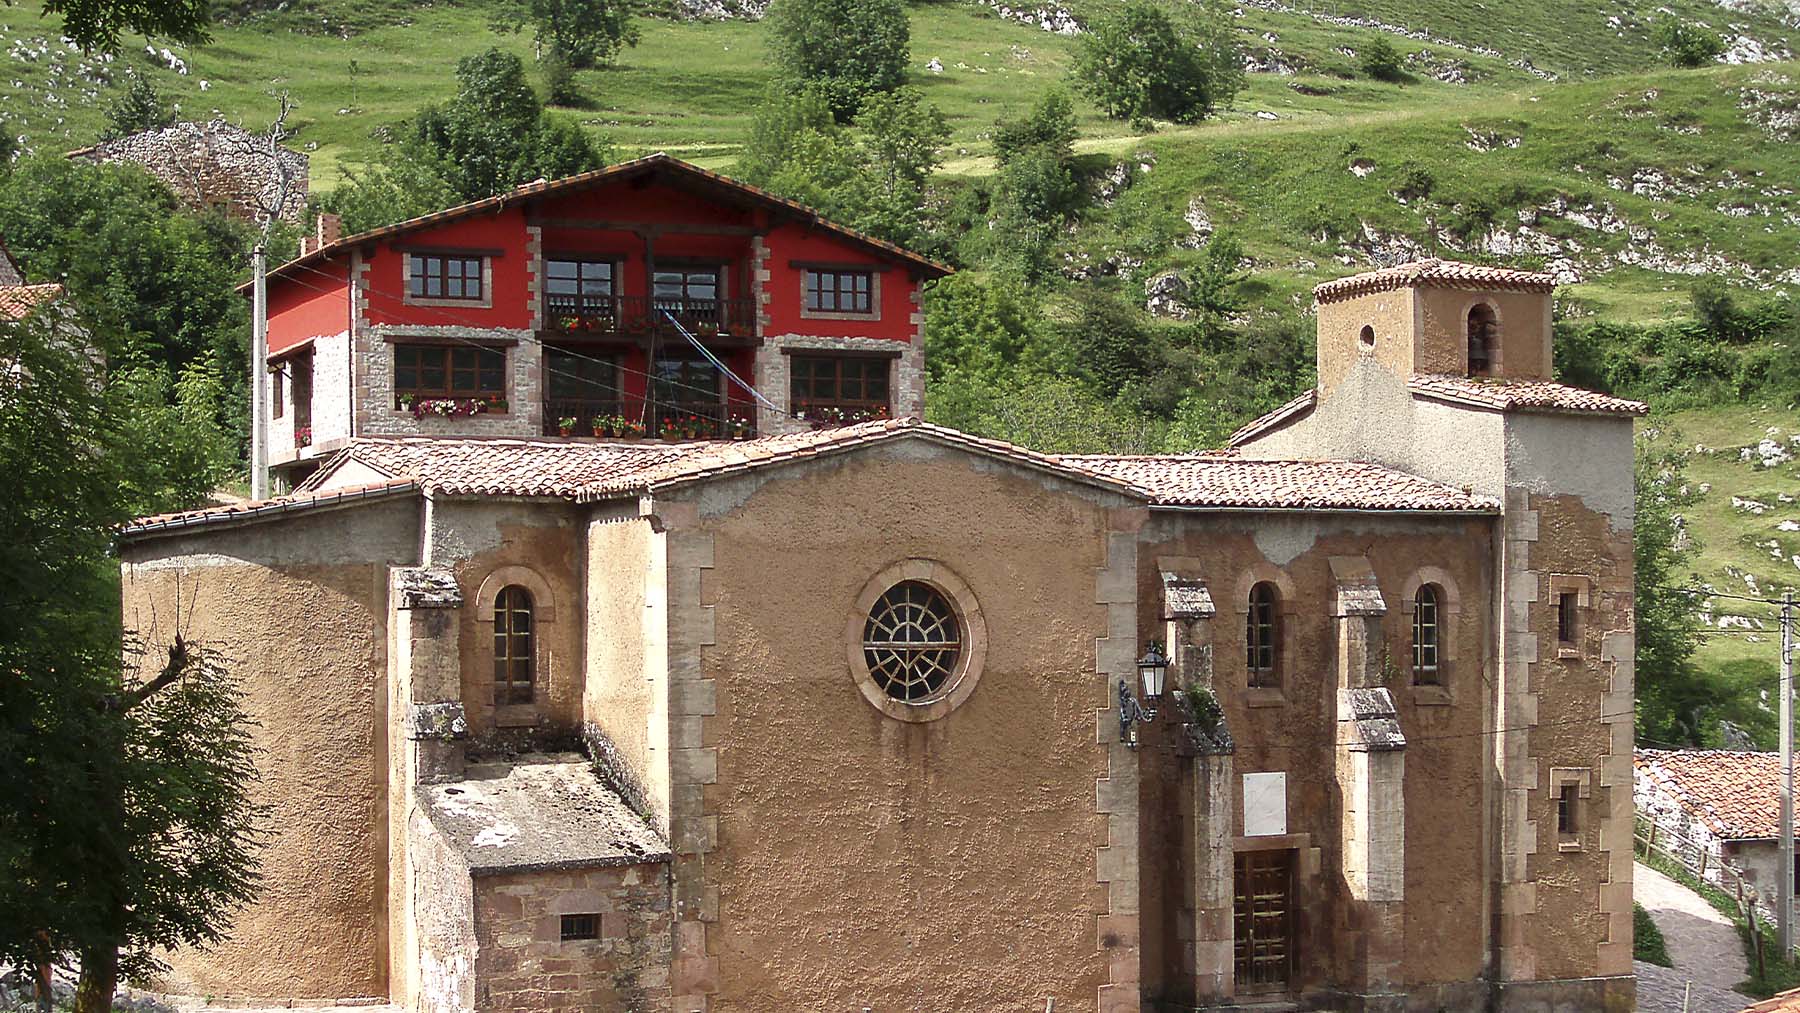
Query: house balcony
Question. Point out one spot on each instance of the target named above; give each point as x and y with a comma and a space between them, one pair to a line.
631, 419
634, 319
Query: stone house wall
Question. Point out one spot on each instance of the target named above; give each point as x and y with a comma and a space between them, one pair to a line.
523, 964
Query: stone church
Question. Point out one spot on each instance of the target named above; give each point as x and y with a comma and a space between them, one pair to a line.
868, 717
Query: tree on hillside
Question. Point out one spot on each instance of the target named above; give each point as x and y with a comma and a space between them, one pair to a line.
871, 175
841, 50
95, 25
494, 135
1686, 43
1673, 697
1035, 190
581, 33
130, 827
1138, 65
136, 109
1381, 61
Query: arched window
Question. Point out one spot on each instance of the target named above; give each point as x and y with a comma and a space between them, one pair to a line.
514, 654
1426, 628
1259, 636
1484, 330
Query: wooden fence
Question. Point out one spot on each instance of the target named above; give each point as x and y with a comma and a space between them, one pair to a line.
1654, 840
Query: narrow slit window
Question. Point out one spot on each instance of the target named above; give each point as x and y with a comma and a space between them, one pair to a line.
514, 635
1259, 636
1567, 617
1426, 628
1568, 809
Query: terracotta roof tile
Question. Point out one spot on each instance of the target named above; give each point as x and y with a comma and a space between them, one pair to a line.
648, 163
1780, 1002
1435, 274
17, 301
1287, 411
1522, 395
1225, 481
1733, 793
257, 509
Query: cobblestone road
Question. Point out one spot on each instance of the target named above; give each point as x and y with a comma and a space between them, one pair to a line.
1706, 949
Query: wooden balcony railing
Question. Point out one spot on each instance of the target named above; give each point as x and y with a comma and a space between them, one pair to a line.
636, 316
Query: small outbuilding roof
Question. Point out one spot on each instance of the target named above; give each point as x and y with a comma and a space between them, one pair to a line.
541, 813
1733, 792
18, 301
1521, 395
1435, 274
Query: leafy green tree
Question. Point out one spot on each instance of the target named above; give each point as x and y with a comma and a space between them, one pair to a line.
131, 828
582, 33
1035, 191
981, 329
1138, 65
842, 50
136, 109
1686, 43
872, 175
408, 183
1048, 126
1381, 61
95, 25
1672, 695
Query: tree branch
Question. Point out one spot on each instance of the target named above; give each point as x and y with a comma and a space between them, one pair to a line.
178, 663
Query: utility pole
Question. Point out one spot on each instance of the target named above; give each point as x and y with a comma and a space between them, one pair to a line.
259, 373
1784, 910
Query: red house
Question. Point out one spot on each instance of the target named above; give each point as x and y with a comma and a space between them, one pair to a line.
628, 302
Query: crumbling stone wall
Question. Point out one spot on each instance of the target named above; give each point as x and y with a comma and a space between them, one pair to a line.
215, 164
522, 963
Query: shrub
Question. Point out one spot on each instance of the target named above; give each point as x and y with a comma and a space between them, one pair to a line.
1138, 66
138, 108
841, 50
1381, 61
1686, 43
559, 80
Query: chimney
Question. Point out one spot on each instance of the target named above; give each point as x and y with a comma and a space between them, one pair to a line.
307, 245
329, 227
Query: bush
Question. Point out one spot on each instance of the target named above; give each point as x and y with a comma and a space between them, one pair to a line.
137, 109
1685, 43
841, 50
559, 80
1138, 66
1647, 940
1381, 61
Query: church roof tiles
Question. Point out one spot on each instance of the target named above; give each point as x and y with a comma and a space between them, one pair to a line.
1522, 395
1222, 481
1435, 274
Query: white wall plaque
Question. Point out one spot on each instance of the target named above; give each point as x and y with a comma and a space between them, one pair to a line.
1265, 804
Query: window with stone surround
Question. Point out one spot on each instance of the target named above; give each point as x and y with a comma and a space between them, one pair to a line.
580, 927
445, 276
1427, 627
1569, 788
851, 384
448, 371
1260, 636
515, 666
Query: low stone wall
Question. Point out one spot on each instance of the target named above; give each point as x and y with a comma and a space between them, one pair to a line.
522, 962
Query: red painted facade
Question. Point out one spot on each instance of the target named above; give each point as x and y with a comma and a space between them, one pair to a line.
740, 257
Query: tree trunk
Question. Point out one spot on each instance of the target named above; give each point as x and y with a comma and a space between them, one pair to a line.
45, 997
99, 978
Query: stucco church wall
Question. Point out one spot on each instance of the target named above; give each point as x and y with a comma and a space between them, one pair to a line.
299, 610
1445, 759
441, 974
626, 630
862, 861
490, 545
1390, 315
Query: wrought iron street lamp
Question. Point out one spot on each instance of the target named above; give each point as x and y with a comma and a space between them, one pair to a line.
1153, 676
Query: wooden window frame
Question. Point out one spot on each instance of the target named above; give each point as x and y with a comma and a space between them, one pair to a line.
869, 365
276, 409
609, 303
1262, 636
449, 370
416, 264
811, 278
1428, 636
515, 647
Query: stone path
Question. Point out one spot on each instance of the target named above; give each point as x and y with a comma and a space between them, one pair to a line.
1704, 945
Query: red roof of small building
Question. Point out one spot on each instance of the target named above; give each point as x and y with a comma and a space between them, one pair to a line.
1522, 395
725, 186
1780, 1002
1287, 411
17, 301
1435, 274
1734, 793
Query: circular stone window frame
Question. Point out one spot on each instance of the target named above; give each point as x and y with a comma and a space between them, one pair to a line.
970, 661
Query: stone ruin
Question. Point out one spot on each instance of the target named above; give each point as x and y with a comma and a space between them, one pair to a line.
216, 164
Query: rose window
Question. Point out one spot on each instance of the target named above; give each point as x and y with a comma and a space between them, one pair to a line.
912, 642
